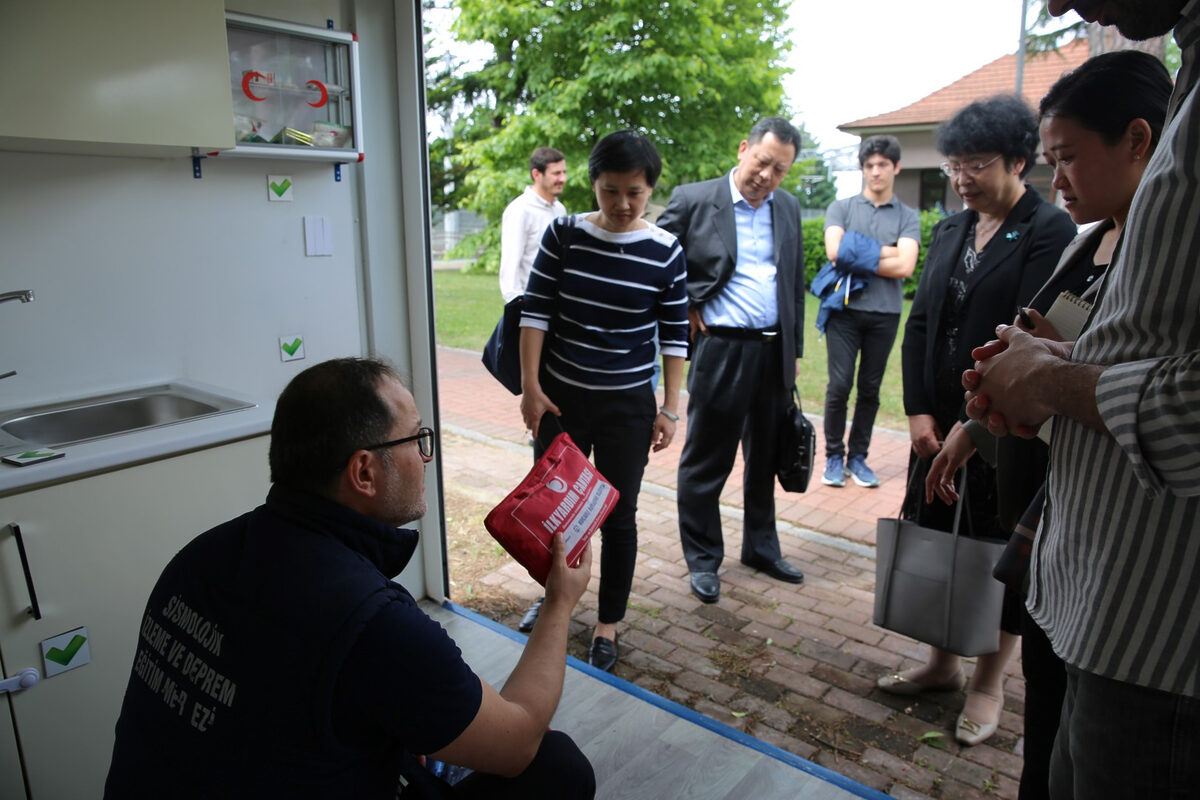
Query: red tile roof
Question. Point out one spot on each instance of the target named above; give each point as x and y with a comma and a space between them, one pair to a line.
1041, 70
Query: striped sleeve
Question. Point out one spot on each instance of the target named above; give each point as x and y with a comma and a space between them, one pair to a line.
672, 308
541, 293
1147, 323
1152, 409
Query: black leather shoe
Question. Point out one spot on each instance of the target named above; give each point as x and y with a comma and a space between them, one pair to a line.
603, 654
531, 616
706, 586
779, 569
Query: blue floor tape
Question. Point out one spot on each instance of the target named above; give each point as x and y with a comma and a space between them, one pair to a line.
683, 712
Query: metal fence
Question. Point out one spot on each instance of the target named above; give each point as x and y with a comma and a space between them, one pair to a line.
451, 228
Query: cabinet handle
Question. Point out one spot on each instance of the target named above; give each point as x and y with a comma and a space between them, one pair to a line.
34, 609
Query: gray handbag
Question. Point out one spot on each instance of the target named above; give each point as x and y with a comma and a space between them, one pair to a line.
937, 587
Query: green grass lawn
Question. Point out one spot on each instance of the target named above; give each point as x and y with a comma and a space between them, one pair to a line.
467, 306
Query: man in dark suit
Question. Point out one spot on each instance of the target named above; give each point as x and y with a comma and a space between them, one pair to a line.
745, 263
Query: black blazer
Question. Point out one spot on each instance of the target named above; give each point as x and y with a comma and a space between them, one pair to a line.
701, 215
1018, 260
1066, 275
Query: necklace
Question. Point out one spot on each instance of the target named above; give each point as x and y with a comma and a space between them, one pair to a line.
983, 234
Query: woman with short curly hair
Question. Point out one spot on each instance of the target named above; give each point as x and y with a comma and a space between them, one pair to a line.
981, 264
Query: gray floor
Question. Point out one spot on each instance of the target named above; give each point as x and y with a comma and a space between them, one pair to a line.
641, 750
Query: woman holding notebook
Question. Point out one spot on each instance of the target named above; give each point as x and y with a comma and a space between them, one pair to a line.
1099, 125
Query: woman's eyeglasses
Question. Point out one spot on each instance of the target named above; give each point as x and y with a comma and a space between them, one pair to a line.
952, 169
423, 438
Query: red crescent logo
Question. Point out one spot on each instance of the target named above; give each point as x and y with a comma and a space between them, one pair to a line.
249, 76
320, 87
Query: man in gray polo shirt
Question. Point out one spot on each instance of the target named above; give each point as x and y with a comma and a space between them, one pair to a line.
868, 324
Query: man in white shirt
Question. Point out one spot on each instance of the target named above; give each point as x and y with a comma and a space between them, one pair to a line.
524, 222
526, 218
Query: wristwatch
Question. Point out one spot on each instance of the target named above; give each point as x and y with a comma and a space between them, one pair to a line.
673, 417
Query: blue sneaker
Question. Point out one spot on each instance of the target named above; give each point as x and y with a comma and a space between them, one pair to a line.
833, 472
863, 476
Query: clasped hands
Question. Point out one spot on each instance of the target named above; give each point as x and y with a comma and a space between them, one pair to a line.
1011, 387
1008, 392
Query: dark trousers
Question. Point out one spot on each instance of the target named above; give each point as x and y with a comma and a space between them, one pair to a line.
1118, 741
865, 337
614, 429
1045, 685
559, 770
734, 395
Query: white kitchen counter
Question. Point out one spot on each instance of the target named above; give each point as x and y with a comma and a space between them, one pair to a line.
124, 450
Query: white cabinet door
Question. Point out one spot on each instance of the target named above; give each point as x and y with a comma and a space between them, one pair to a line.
12, 784
96, 546
121, 77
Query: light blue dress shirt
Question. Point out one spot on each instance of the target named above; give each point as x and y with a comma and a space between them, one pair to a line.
749, 299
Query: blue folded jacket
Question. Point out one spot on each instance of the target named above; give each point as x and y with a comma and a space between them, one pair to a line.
857, 262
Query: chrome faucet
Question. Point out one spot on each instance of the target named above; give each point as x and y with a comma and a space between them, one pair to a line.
25, 296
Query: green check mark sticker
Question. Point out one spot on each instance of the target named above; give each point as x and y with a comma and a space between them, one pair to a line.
68, 650
64, 656
280, 189
32, 456
291, 349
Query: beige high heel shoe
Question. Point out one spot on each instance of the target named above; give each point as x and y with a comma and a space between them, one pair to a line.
970, 731
896, 683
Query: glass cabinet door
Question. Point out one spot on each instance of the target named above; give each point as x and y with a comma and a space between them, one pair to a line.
294, 90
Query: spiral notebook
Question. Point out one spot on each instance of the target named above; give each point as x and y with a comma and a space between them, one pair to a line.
1068, 315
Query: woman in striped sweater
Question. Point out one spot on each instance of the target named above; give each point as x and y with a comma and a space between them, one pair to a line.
607, 292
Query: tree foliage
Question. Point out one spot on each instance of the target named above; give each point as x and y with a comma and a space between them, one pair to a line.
810, 179
693, 76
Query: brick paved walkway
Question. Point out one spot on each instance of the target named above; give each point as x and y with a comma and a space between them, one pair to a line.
794, 666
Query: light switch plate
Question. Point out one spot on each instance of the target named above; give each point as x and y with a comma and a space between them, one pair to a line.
318, 236
291, 348
279, 188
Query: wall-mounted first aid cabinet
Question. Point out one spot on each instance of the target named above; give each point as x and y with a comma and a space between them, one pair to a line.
294, 90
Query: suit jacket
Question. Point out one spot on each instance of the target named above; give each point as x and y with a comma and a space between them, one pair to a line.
1017, 261
1062, 280
701, 216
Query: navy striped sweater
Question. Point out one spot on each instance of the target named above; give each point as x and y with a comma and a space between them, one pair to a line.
606, 297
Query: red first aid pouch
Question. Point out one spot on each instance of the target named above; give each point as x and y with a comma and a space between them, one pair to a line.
563, 493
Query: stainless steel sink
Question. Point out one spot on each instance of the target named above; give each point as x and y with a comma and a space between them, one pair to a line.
82, 420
